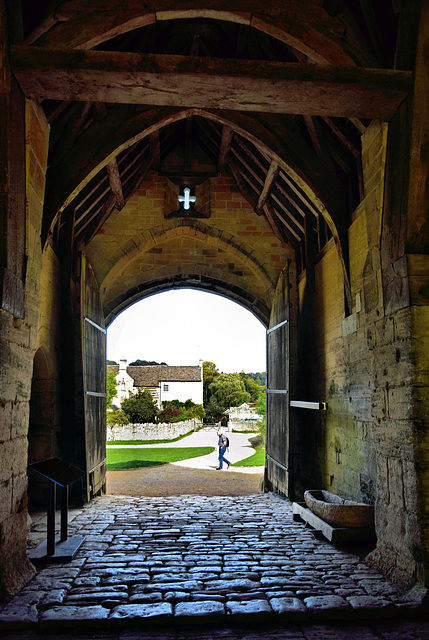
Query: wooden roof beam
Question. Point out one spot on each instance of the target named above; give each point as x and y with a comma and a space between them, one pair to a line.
240, 183
319, 143
155, 149
278, 232
270, 179
115, 183
340, 135
186, 81
225, 147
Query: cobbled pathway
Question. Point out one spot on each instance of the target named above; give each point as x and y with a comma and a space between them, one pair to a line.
175, 561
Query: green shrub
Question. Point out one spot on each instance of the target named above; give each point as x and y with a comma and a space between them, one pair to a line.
140, 407
116, 417
176, 411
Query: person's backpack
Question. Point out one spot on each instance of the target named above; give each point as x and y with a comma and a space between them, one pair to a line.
227, 442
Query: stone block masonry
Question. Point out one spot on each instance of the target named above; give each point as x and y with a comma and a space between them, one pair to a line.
149, 431
17, 347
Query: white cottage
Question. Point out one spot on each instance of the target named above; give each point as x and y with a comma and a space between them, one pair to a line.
164, 382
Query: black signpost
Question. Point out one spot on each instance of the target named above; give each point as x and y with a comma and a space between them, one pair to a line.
60, 473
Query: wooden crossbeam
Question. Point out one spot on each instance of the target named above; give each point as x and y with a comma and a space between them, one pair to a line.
272, 174
270, 216
240, 183
187, 81
155, 149
115, 183
225, 147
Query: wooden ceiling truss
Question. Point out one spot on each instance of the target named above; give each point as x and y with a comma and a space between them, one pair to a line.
276, 95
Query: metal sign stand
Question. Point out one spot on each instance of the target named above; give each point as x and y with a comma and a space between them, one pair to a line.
62, 474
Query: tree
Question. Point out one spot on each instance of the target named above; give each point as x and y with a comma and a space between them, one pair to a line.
261, 409
110, 388
210, 372
251, 386
140, 407
145, 363
227, 390
261, 405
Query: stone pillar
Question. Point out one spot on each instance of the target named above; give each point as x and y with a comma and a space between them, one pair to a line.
402, 423
23, 158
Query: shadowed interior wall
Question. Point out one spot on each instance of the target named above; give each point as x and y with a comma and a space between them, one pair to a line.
363, 365
18, 334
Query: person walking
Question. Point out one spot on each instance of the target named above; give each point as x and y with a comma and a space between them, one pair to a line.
222, 444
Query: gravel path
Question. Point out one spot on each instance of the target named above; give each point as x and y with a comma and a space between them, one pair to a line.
174, 480
197, 476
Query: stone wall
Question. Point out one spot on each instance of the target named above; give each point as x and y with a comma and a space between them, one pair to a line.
17, 347
244, 418
363, 364
148, 431
235, 247
244, 425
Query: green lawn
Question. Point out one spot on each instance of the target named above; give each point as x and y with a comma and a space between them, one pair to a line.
134, 458
257, 460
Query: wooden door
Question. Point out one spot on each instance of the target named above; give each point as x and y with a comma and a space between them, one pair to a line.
277, 416
94, 380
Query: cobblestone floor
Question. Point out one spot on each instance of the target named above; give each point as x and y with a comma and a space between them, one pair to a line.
168, 563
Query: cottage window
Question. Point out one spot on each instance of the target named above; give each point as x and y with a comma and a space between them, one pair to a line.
165, 387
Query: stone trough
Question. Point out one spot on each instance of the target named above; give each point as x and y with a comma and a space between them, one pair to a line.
339, 512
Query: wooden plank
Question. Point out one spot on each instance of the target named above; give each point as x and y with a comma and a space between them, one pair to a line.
340, 135
278, 357
258, 178
319, 143
306, 26
270, 179
240, 184
115, 183
186, 81
293, 219
418, 209
43, 27
155, 149
73, 130
269, 214
225, 147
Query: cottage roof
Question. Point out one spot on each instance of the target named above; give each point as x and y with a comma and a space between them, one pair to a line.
151, 376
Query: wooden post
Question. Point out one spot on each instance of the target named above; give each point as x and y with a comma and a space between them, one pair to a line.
12, 182
51, 518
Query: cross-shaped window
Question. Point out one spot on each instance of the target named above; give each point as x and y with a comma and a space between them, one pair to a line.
186, 198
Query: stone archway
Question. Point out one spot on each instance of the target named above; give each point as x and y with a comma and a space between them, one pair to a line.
124, 283
367, 357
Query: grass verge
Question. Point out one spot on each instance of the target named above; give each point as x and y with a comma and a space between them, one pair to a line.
134, 458
257, 460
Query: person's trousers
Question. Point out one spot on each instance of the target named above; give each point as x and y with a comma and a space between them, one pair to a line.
222, 459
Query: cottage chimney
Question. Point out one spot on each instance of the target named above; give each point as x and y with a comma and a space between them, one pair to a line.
123, 365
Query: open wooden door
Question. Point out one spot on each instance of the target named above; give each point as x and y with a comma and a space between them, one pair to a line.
277, 417
94, 380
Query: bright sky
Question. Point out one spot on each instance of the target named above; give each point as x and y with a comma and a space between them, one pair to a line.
181, 327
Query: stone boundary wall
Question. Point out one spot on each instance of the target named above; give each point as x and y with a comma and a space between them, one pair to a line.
245, 425
150, 431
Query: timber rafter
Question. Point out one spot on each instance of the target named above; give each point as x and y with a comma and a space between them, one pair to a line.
276, 95
185, 81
